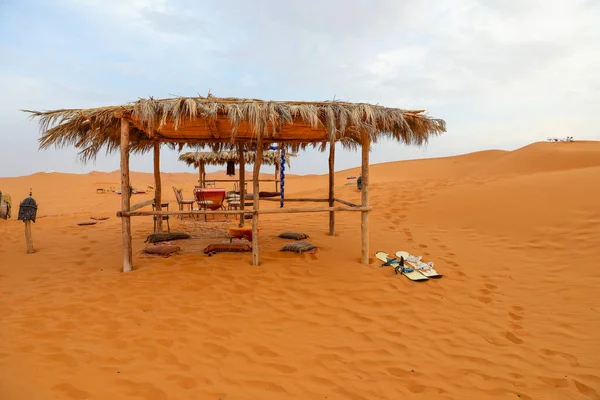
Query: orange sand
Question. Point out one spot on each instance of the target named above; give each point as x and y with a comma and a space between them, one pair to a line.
516, 314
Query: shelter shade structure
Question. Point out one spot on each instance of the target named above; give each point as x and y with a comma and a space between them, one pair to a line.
229, 123
201, 159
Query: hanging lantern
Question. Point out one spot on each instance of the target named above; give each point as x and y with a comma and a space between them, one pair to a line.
230, 168
27, 209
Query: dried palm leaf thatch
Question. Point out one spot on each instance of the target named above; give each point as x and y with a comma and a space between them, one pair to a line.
220, 122
270, 157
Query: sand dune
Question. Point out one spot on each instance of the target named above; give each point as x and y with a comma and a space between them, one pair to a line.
515, 316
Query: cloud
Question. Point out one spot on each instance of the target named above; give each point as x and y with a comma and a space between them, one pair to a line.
501, 73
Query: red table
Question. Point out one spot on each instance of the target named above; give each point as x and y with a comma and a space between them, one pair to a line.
217, 196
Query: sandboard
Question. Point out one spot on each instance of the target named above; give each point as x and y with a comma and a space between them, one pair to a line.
413, 275
430, 273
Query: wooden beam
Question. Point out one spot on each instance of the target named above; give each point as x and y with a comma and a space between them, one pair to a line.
157, 186
136, 213
364, 216
256, 190
143, 204
346, 202
125, 197
234, 180
311, 210
242, 181
331, 187
307, 200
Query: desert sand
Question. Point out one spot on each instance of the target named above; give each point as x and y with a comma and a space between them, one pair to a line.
516, 315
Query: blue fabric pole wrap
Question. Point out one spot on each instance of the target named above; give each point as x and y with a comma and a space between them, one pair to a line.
282, 177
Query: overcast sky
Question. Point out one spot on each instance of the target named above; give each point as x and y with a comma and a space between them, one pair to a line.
502, 73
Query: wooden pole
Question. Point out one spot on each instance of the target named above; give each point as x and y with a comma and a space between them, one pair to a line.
242, 181
199, 176
125, 197
28, 239
256, 189
348, 203
276, 177
364, 215
157, 185
202, 175
331, 187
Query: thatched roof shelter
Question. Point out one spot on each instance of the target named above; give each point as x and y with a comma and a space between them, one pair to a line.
270, 157
219, 122
234, 124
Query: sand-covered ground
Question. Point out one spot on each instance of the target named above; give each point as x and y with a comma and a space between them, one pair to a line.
516, 315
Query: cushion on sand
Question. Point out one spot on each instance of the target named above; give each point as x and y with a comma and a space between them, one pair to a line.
268, 194
162, 250
164, 237
227, 247
90, 222
293, 235
300, 247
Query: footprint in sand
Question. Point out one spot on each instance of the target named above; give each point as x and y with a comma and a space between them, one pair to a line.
570, 358
554, 382
515, 317
71, 391
513, 338
586, 390
423, 246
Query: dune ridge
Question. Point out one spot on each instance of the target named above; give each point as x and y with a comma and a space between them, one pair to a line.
515, 315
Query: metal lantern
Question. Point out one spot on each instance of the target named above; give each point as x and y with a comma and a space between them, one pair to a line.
28, 209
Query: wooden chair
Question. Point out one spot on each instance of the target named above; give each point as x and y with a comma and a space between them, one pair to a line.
183, 203
236, 187
164, 207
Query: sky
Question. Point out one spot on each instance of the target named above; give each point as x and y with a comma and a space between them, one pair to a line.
501, 73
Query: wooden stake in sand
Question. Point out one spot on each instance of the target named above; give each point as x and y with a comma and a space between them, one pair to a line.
364, 215
157, 186
255, 188
28, 239
125, 197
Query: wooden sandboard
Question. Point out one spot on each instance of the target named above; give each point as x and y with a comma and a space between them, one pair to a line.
413, 275
430, 273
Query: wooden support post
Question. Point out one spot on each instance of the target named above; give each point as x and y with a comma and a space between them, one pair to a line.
199, 176
157, 185
256, 189
125, 196
28, 239
364, 215
202, 182
242, 181
331, 187
277, 176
